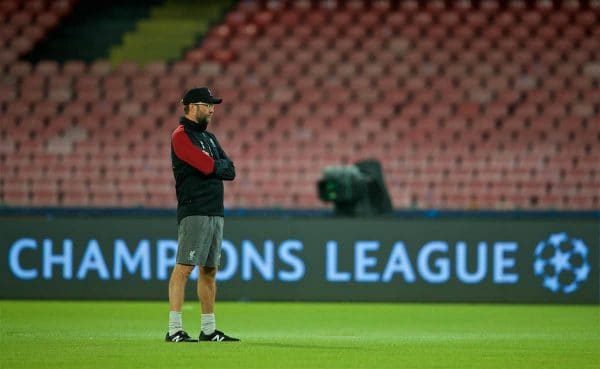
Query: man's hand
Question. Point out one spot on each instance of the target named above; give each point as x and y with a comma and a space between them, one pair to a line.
224, 169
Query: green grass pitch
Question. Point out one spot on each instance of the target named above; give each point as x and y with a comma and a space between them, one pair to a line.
41, 334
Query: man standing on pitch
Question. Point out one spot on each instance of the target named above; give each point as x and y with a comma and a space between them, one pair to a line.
200, 166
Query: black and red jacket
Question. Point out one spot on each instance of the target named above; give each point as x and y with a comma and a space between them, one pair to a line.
199, 165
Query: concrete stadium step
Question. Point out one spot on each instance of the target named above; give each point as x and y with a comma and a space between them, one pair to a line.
90, 30
171, 28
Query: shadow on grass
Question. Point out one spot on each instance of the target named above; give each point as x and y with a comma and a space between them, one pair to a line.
300, 346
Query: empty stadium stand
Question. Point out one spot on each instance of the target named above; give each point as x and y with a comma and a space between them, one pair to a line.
467, 104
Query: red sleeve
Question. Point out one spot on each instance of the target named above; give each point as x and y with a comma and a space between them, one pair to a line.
186, 151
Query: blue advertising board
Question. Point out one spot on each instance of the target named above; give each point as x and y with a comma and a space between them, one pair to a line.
310, 259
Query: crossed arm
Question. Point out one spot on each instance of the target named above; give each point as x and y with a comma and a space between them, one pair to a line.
199, 159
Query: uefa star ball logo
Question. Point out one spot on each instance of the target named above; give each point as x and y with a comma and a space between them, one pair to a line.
561, 262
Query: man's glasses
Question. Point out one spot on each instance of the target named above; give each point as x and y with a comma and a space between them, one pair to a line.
205, 104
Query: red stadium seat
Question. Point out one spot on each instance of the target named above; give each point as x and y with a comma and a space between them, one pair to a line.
100, 68
47, 19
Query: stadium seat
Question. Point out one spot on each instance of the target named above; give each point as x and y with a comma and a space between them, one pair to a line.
428, 86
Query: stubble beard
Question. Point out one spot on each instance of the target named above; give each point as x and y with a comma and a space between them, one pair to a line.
203, 119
